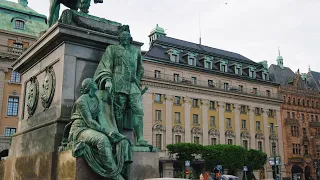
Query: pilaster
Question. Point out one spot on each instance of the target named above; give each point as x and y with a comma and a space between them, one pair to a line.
147, 128
237, 123
278, 116
252, 127
187, 122
266, 132
169, 102
222, 122
205, 129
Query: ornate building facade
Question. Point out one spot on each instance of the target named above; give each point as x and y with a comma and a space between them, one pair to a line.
200, 94
19, 28
300, 121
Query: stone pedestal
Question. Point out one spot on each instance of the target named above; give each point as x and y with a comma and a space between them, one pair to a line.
73, 53
145, 165
84, 171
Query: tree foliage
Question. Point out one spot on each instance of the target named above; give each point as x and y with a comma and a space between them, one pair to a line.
255, 160
185, 151
230, 157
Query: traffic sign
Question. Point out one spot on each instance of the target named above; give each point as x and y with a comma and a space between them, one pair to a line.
187, 163
187, 172
245, 168
219, 167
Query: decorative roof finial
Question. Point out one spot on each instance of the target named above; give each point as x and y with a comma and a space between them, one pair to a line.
309, 69
279, 50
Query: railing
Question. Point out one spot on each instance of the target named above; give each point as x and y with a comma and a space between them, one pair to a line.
210, 85
290, 121
11, 50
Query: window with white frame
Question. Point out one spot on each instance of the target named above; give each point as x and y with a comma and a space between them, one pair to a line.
258, 128
260, 146
195, 102
177, 100
19, 24
229, 124
244, 124
194, 80
192, 61
9, 131
176, 77
245, 144
212, 105
177, 117
208, 64
228, 107
195, 119
175, 58
157, 74
230, 141
13, 104
159, 141
226, 85
212, 121
158, 98
15, 77
158, 115
213, 141
196, 140
177, 138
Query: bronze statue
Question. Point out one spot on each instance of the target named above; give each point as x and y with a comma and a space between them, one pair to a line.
83, 5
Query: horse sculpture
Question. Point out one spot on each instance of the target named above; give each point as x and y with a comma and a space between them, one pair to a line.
83, 5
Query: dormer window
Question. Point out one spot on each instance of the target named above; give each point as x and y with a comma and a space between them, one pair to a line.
192, 61
173, 55
208, 64
190, 58
238, 69
252, 72
265, 76
223, 65
19, 24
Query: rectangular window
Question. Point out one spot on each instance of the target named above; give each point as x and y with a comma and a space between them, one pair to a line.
10, 131
230, 141
13, 104
176, 77
245, 144
302, 116
195, 102
254, 91
268, 93
296, 148
294, 131
244, 124
195, 119
289, 100
158, 98
259, 145
177, 100
288, 115
175, 58
210, 83
298, 102
228, 107
258, 111
223, 68
258, 126
212, 121
228, 120
306, 150
157, 74
304, 131
159, 141
158, 115
271, 128
226, 86
312, 118
196, 140
15, 77
293, 115
213, 141
237, 71
192, 61
18, 24
240, 88
207, 64
177, 117
250, 73
318, 150
243, 109
177, 138
194, 80
270, 113
294, 101
212, 105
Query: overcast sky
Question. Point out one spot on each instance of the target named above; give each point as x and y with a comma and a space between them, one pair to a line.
252, 28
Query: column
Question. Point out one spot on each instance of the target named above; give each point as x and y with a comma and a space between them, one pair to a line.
205, 129
2, 81
266, 132
169, 99
187, 123
281, 152
237, 123
252, 127
147, 127
221, 122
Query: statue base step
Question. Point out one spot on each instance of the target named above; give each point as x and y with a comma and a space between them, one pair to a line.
84, 171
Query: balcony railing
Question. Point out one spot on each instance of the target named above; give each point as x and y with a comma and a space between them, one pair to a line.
210, 85
290, 121
11, 50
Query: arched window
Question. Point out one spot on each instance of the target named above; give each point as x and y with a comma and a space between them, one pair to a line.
196, 134
178, 134
214, 135
158, 136
230, 137
245, 140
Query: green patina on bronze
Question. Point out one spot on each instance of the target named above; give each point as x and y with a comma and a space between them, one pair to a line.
119, 72
83, 5
94, 134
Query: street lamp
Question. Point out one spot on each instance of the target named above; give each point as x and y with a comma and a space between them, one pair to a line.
273, 149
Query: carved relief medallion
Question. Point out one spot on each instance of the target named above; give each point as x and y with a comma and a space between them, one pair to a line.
48, 87
33, 94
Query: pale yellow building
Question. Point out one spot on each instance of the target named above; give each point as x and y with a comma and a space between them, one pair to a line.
204, 95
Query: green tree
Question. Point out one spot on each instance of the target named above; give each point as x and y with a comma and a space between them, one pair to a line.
231, 157
255, 160
185, 152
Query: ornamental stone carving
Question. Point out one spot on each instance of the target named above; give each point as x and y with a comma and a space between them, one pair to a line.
245, 135
48, 87
158, 128
214, 132
259, 136
196, 131
33, 95
178, 129
230, 134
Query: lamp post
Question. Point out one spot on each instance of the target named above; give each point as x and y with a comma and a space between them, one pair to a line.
273, 149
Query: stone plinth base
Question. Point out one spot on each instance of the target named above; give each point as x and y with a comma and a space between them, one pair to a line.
145, 165
84, 171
